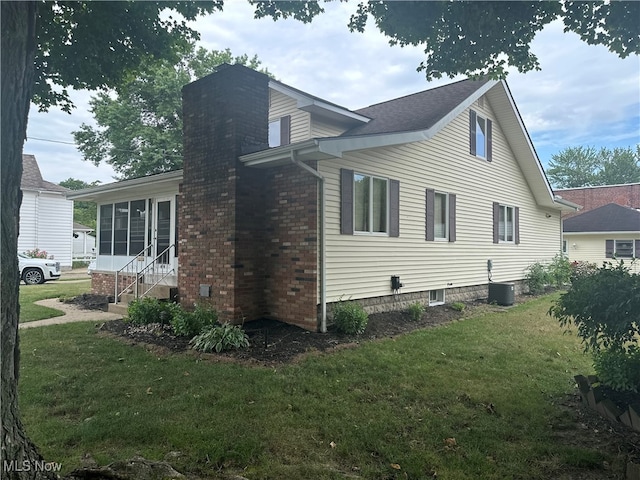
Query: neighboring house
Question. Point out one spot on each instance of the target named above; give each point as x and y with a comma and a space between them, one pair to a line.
46, 215
84, 244
288, 203
603, 234
627, 195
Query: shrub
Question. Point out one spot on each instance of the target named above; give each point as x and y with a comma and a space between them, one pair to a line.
188, 324
604, 305
149, 310
619, 368
350, 317
559, 271
459, 306
536, 278
580, 269
220, 338
416, 311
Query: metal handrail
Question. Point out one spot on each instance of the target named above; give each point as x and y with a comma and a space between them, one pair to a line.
151, 266
138, 275
130, 272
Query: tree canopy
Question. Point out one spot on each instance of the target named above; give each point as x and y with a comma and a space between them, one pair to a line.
85, 213
139, 122
484, 38
48, 47
589, 166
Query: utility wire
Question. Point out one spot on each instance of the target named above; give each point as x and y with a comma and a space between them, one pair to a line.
165, 155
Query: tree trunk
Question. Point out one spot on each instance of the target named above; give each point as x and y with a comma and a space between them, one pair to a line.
18, 455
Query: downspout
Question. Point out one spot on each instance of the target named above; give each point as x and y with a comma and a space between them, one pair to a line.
323, 251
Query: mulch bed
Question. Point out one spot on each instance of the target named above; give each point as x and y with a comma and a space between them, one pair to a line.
273, 342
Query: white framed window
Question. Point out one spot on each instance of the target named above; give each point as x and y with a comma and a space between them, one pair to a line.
436, 297
624, 248
564, 247
506, 224
274, 133
480, 136
280, 131
370, 204
441, 216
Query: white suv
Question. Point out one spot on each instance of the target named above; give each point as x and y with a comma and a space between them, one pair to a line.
37, 270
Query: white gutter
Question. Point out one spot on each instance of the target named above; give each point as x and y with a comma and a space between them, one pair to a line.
323, 251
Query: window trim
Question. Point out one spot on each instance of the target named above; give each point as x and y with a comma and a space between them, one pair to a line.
284, 131
497, 207
611, 247
440, 297
371, 206
450, 217
347, 205
488, 136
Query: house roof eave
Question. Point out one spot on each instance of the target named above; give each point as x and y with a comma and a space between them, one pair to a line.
91, 194
566, 205
312, 104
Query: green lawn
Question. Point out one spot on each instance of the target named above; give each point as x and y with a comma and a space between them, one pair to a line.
29, 294
382, 410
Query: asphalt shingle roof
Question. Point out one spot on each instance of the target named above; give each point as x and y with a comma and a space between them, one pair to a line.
32, 178
419, 111
608, 218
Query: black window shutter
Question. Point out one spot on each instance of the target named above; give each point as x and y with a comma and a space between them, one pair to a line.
452, 217
472, 132
637, 249
608, 248
285, 130
516, 224
429, 215
346, 201
394, 208
496, 222
489, 141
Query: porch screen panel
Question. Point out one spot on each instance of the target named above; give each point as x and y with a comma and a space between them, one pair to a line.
120, 228
150, 229
106, 229
163, 230
137, 220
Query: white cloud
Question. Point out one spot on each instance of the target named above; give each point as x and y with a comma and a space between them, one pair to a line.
583, 95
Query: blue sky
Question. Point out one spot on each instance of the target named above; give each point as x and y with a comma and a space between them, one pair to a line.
583, 95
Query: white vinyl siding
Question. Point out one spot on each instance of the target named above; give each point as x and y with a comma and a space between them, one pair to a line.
591, 247
280, 105
320, 129
361, 266
46, 222
303, 125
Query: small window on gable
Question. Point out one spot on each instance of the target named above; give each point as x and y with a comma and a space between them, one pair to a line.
436, 297
480, 136
280, 132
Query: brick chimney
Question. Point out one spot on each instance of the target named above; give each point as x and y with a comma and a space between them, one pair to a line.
221, 221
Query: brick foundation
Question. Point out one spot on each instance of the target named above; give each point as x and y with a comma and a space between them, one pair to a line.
104, 283
390, 303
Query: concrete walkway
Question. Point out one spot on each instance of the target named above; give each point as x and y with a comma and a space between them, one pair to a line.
71, 314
